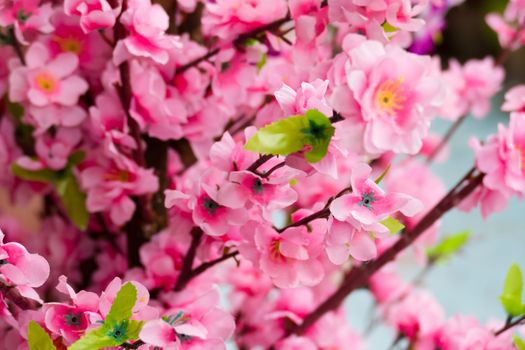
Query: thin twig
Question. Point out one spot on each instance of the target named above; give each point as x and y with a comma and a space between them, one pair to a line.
187, 264
358, 276
510, 324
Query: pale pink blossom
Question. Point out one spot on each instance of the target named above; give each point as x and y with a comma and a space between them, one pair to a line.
393, 92
309, 96
228, 18
21, 268
111, 184
94, 14
471, 88
515, 100
147, 24
291, 258
46, 80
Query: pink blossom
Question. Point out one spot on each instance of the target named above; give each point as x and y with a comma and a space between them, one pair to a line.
368, 204
290, 259
358, 215
508, 35
70, 321
28, 17
152, 106
466, 333
194, 321
310, 96
394, 92
269, 194
515, 100
53, 151
228, 18
515, 11
111, 183
215, 218
417, 316
472, 86
228, 155
147, 24
47, 80
94, 14
20, 267
502, 158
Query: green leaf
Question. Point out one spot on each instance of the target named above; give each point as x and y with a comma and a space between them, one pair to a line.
117, 328
383, 174
73, 199
388, 28
281, 137
38, 338
520, 344
44, 175
93, 340
123, 303
393, 225
262, 61
15, 109
512, 292
134, 328
292, 134
448, 246
76, 158
318, 135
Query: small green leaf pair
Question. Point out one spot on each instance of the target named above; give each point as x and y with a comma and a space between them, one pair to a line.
66, 185
117, 327
511, 299
286, 136
448, 246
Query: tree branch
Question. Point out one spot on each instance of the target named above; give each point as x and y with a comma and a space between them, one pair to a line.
187, 264
510, 324
358, 276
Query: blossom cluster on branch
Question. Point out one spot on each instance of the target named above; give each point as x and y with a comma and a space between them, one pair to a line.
229, 171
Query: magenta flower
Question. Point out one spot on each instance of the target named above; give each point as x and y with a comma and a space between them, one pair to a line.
357, 217
21, 268
70, 321
215, 217
368, 204
29, 17
46, 80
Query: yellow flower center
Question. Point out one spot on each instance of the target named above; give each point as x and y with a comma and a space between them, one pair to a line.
390, 96
46, 82
275, 252
69, 44
117, 175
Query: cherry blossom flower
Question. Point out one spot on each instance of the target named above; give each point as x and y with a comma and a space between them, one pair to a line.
47, 80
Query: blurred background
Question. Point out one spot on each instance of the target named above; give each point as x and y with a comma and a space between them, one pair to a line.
471, 282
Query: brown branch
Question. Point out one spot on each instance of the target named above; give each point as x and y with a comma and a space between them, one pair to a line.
321, 214
510, 324
209, 264
187, 264
11, 294
450, 132
358, 276
13, 41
